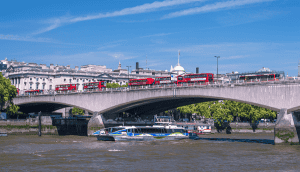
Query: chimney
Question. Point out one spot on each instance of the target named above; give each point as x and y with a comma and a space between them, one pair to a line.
51, 66
76, 67
197, 69
137, 66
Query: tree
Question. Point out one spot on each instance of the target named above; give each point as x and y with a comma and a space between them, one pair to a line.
203, 109
112, 85
77, 111
220, 113
7, 93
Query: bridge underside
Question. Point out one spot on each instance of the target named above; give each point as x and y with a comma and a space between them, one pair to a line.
41, 106
154, 106
141, 107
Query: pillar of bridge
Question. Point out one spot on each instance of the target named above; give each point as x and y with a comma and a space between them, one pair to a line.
286, 129
95, 123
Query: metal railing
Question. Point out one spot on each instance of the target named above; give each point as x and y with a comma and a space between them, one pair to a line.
174, 86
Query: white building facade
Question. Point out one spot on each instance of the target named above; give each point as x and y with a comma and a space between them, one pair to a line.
31, 76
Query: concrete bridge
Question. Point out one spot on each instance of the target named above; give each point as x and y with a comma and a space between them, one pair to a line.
280, 96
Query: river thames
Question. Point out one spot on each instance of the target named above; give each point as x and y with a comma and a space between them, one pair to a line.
79, 153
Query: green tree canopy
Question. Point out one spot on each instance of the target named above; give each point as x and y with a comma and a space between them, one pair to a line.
7, 93
227, 110
77, 111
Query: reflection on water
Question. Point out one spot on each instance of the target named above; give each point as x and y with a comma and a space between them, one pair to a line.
70, 153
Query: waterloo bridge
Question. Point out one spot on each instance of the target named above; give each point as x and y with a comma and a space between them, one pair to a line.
280, 96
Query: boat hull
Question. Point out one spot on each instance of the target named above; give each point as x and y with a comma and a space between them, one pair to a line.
3, 134
139, 138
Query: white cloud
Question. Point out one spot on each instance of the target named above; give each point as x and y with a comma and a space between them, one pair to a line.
213, 7
24, 38
234, 57
158, 34
145, 8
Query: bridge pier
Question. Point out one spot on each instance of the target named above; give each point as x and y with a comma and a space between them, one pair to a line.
95, 123
287, 128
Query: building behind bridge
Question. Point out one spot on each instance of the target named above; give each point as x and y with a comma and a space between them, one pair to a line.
28, 76
234, 76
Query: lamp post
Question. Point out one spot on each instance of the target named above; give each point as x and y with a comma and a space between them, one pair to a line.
217, 67
128, 74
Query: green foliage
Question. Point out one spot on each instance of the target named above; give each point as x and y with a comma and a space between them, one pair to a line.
285, 136
112, 85
77, 111
115, 85
126, 85
227, 110
203, 109
7, 93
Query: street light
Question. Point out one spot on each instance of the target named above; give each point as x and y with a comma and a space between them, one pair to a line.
128, 74
217, 67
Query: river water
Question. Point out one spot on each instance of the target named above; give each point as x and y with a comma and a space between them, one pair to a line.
79, 153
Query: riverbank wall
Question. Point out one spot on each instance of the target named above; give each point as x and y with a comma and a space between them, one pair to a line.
27, 126
240, 127
28, 130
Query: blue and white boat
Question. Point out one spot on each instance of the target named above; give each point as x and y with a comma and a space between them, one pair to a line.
3, 134
142, 133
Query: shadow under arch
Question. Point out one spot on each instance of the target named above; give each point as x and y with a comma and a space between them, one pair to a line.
44, 106
155, 105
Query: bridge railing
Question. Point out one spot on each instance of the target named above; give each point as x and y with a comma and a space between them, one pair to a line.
173, 86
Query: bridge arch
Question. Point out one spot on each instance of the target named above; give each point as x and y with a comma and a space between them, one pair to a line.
45, 106
154, 105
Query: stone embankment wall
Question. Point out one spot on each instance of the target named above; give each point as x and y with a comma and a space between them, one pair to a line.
46, 120
240, 127
29, 131
27, 126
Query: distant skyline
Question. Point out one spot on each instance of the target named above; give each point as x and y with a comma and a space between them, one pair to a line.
246, 34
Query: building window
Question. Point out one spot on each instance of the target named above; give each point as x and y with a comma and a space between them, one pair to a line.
43, 79
12, 81
70, 80
30, 79
50, 80
30, 87
153, 73
43, 86
19, 80
37, 79
37, 86
83, 80
77, 80
50, 87
65, 80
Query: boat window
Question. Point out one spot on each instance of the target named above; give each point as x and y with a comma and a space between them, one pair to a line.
116, 129
178, 130
137, 130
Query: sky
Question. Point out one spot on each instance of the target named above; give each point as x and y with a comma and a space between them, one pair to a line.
246, 34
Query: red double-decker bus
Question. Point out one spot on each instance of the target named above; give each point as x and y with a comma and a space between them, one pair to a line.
65, 87
141, 82
260, 77
94, 86
164, 80
28, 92
199, 78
